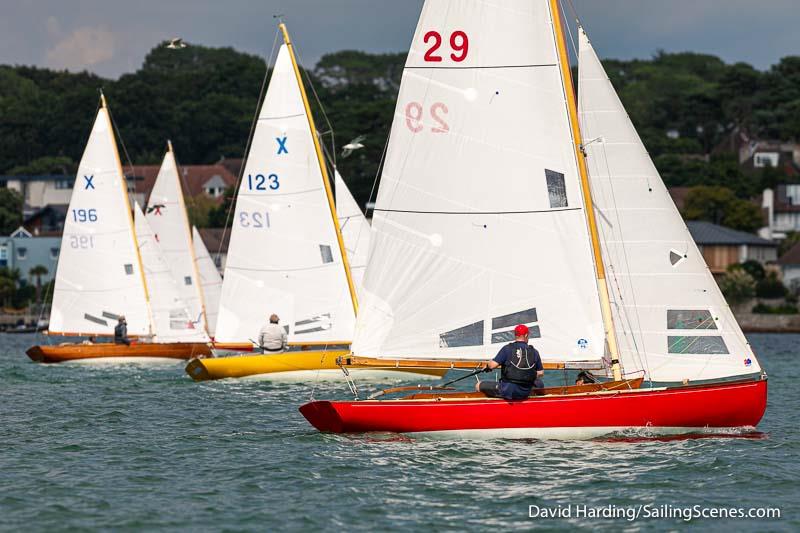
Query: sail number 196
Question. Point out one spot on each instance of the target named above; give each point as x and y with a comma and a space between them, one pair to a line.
260, 182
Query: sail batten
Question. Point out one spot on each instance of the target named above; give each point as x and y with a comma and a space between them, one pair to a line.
678, 327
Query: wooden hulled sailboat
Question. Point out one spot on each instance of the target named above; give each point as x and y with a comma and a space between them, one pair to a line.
286, 254
100, 274
485, 218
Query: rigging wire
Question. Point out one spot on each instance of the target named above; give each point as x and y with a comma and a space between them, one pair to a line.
238, 183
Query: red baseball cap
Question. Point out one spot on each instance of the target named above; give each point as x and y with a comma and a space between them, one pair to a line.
521, 330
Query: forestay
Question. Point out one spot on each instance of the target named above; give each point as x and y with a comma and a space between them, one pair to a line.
99, 274
479, 223
355, 231
166, 213
210, 280
284, 256
171, 319
672, 321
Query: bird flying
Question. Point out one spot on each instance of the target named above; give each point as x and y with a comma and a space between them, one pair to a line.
176, 43
353, 145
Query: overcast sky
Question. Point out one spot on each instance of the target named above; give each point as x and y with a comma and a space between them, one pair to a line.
111, 37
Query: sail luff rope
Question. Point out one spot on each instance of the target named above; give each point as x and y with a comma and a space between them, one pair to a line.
319, 103
236, 186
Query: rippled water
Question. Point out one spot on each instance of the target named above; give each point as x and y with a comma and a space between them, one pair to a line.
143, 447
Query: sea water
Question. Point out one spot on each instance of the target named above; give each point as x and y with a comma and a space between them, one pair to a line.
142, 447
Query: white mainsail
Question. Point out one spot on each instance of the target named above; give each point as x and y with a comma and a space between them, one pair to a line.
284, 255
479, 223
166, 214
210, 280
672, 321
355, 231
99, 274
171, 319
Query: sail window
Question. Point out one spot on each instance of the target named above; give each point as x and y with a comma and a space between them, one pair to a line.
520, 317
556, 188
508, 336
327, 254
187, 280
129, 269
112, 316
690, 319
471, 335
701, 345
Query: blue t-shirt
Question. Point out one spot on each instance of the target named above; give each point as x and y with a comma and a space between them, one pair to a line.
514, 391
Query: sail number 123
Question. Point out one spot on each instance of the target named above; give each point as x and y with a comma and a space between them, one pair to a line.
260, 182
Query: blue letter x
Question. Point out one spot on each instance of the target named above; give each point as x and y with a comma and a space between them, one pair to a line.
281, 145
89, 184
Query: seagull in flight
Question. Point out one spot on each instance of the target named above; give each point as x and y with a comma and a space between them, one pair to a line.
353, 145
176, 43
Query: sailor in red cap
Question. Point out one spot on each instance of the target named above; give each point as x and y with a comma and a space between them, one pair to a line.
521, 369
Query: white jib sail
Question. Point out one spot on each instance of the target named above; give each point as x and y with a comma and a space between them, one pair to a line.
355, 231
210, 280
99, 273
672, 321
171, 319
479, 223
166, 213
284, 257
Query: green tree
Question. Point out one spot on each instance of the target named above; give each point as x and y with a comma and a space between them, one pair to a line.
10, 210
738, 286
46, 165
37, 272
720, 206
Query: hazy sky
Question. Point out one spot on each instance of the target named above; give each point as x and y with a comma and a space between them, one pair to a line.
111, 37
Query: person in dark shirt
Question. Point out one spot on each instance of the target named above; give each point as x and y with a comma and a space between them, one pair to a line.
121, 332
522, 369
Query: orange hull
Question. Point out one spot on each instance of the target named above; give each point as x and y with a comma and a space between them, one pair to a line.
77, 352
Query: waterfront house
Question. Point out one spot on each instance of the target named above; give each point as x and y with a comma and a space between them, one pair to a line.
22, 250
722, 247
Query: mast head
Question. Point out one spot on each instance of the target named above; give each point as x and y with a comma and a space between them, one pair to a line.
102, 99
282, 27
169, 145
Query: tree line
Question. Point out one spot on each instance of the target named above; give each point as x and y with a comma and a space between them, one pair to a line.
204, 99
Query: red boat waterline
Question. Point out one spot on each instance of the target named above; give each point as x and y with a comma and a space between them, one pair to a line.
675, 410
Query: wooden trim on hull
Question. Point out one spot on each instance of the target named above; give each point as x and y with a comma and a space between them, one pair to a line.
721, 405
354, 361
77, 352
627, 384
252, 365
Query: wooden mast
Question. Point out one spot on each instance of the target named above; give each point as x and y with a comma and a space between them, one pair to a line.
182, 205
130, 216
323, 168
602, 285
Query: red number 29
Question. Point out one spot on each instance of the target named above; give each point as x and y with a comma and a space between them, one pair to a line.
459, 43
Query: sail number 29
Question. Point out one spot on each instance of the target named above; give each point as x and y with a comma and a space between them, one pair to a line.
459, 44
415, 117
260, 182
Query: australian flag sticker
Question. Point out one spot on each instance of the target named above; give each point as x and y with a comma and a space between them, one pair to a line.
748, 361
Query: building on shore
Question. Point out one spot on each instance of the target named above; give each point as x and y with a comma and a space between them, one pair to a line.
23, 251
722, 247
